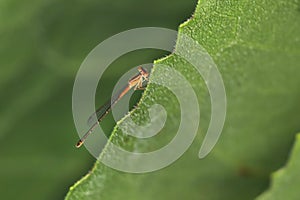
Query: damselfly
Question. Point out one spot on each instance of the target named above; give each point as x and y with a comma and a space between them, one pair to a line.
138, 82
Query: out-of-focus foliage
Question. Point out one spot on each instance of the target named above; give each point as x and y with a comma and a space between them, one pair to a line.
42, 44
286, 181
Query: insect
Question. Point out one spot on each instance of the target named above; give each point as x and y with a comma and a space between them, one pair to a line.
138, 82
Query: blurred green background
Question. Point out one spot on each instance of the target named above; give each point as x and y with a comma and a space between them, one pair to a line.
42, 46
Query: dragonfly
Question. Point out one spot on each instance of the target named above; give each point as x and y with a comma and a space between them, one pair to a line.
137, 82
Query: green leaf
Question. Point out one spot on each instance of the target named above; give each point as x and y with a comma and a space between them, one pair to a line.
256, 46
286, 181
